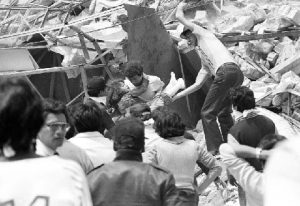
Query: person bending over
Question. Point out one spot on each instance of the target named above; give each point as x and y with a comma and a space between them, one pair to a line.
216, 61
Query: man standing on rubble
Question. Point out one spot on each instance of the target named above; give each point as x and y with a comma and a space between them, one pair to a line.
216, 61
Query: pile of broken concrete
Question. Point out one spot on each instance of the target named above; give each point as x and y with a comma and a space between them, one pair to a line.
271, 66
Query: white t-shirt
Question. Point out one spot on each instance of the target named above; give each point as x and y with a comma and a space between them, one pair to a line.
97, 147
155, 86
45, 181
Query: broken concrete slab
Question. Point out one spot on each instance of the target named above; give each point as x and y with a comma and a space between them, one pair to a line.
150, 43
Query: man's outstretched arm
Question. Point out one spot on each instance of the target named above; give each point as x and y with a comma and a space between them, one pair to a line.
180, 16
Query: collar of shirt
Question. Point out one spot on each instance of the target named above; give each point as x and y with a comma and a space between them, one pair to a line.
94, 134
247, 114
175, 140
42, 149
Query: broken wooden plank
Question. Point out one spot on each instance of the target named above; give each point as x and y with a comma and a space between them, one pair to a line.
83, 45
48, 29
75, 98
33, 87
52, 83
257, 66
291, 64
65, 86
183, 77
246, 37
97, 48
48, 70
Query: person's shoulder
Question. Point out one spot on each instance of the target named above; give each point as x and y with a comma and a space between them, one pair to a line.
96, 169
159, 168
265, 117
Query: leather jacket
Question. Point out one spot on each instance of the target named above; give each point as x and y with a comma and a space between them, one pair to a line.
128, 181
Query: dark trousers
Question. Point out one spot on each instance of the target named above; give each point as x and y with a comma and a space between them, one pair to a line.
218, 104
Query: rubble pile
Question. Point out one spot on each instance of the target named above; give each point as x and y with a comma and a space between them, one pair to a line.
270, 64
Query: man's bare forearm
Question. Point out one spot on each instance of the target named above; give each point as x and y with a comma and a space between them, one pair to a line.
200, 80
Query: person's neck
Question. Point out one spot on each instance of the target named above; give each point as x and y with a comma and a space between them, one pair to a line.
128, 154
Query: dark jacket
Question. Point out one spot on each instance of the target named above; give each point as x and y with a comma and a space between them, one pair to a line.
130, 182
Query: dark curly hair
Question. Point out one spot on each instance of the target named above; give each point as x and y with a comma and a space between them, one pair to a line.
21, 114
55, 107
243, 98
133, 68
168, 124
140, 110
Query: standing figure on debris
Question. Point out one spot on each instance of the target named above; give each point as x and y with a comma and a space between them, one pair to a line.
217, 61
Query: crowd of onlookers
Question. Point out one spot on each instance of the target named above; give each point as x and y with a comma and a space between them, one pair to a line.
54, 155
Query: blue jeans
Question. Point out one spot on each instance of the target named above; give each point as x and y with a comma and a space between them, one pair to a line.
218, 104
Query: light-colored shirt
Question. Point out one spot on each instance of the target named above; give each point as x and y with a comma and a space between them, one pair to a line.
155, 86
98, 148
72, 152
42, 149
211, 50
43, 181
179, 155
282, 175
248, 178
151, 137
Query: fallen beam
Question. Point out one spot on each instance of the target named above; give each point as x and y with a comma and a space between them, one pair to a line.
49, 70
291, 64
249, 37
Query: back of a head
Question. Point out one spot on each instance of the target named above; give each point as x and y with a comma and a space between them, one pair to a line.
140, 110
21, 115
160, 110
269, 141
95, 85
54, 106
86, 117
133, 68
129, 133
168, 124
243, 98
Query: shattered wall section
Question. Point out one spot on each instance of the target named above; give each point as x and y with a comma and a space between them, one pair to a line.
149, 42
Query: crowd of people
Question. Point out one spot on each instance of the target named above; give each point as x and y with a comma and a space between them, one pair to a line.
55, 155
